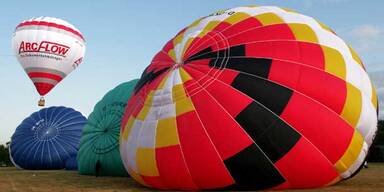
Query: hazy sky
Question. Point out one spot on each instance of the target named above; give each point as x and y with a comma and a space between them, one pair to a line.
122, 37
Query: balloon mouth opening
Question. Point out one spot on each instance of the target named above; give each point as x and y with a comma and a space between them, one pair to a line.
177, 65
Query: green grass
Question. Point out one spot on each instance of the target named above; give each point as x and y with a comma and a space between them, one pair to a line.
12, 179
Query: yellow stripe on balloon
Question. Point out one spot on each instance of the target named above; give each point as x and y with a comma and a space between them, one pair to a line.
178, 39
187, 44
184, 75
166, 132
146, 162
303, 32
352, 106
325, 27
355, 56
182, 102
351, 154
195, 23
288, 10
146, 106
172, 54
374, 99
127, 128
334, 62
237, 17
269, 19
208, 28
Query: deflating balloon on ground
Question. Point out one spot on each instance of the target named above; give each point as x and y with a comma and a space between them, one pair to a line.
48, 139
100, 139
250, 98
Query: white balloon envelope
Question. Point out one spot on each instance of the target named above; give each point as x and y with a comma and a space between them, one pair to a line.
48, 49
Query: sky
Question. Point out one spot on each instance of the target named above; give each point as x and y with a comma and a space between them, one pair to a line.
123, 36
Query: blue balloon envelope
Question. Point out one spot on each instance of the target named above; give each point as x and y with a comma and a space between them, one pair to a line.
71, 163
47, 139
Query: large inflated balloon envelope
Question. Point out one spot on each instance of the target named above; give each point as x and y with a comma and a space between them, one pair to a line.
48, 49
250, 98
71, 163
48, 139
100, 139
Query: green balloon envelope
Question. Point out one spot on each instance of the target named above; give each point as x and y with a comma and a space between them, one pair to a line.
100, 139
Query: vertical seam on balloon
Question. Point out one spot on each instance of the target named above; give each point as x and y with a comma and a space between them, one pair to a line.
31, 142
222, 64
66, 141
57, 152
286, 40
67, 122
187, 32
49, 152
139, 134
155, 135
61, 146
35, 145
58, 115
318, 43
181, 150
206, 133
227, 37
58, 123
249, 29
281, 120
300, 64
214, 79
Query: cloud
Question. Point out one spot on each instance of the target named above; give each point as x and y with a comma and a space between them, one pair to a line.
366, 31
378, 80
367, 36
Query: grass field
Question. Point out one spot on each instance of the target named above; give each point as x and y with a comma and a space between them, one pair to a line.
11, 179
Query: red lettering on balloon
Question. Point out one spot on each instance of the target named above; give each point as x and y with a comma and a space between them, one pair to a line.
44, 47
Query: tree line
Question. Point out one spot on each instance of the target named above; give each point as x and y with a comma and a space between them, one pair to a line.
376, 153
5, 160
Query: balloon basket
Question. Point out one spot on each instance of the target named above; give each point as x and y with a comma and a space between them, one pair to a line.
41, 102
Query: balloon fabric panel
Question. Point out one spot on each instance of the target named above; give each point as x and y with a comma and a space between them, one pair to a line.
47, 139
250, 98
48, 49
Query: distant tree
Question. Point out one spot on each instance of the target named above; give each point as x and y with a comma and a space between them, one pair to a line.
376, 153
4, 155
379, 140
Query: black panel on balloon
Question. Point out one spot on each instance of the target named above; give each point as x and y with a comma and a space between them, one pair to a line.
252, 170
273, 96
148, 77
235, 51
255, 66
270, 133
203, 54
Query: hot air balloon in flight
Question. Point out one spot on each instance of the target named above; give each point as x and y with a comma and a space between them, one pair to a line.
250, 98
48, 49
100, 139
48, 139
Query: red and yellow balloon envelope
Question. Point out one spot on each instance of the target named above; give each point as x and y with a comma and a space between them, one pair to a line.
250, 98
48, 49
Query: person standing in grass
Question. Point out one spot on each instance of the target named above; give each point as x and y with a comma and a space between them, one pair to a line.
97, 168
